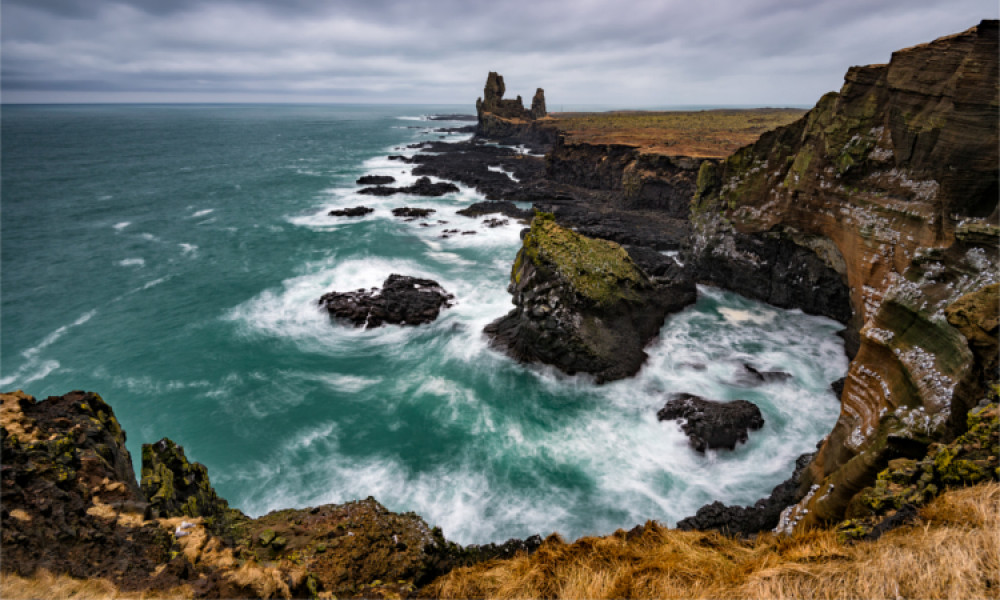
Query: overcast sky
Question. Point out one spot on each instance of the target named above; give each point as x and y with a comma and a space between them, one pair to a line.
616, 52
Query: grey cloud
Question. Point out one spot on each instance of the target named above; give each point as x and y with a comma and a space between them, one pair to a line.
581, 51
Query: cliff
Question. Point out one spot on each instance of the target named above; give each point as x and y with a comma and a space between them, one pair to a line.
71, 506
892, 184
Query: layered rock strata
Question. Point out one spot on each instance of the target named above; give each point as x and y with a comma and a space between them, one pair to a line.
582, 305
891, 186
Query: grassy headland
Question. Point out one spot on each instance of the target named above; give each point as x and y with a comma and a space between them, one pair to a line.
703, 134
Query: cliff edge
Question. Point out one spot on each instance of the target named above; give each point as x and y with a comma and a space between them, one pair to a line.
892, 184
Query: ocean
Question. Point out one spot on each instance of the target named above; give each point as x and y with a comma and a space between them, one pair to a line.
169, 257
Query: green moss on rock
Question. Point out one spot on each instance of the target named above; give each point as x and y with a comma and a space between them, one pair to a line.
598, 270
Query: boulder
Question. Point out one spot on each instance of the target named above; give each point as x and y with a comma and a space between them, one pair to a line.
402, 300
712, 424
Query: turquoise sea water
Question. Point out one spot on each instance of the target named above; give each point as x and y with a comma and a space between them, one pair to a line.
170, 257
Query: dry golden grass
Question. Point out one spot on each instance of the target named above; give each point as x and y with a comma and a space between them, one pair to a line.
705, 134
44, 585
953, 551
13, 418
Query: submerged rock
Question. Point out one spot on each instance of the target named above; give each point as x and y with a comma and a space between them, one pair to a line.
357, 211
402, 300
750, 376
582, 305
712, 424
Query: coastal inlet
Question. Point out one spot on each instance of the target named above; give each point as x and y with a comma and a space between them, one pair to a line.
211, 253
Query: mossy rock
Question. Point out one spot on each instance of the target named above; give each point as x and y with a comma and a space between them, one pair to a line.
972, 458
597, 270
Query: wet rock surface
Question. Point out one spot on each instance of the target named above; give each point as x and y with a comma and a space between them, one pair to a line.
746, 521
750, 377
402, 300
356, 211
410, 212
711, 424
422, 187
492, 207
375, 180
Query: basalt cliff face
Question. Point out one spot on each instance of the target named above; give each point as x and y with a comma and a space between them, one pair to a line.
890, 186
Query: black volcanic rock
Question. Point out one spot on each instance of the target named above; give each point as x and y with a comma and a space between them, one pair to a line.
764, 515
422, 187
410, 212
357, 211
503, 207
582, 305
711, 424
402, 300
375, 180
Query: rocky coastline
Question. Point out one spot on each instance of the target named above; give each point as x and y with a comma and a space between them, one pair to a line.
878, 208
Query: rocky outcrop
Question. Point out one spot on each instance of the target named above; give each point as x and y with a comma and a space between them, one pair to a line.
891, 186
538, 105
375, 180
507, 120
491, 207
493, 101
746, 521
357, 211
175, 487
644, 181
402, 300
710, 423
908, 483
422, 187
582, 305
70, 501
71, 505
412, 212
